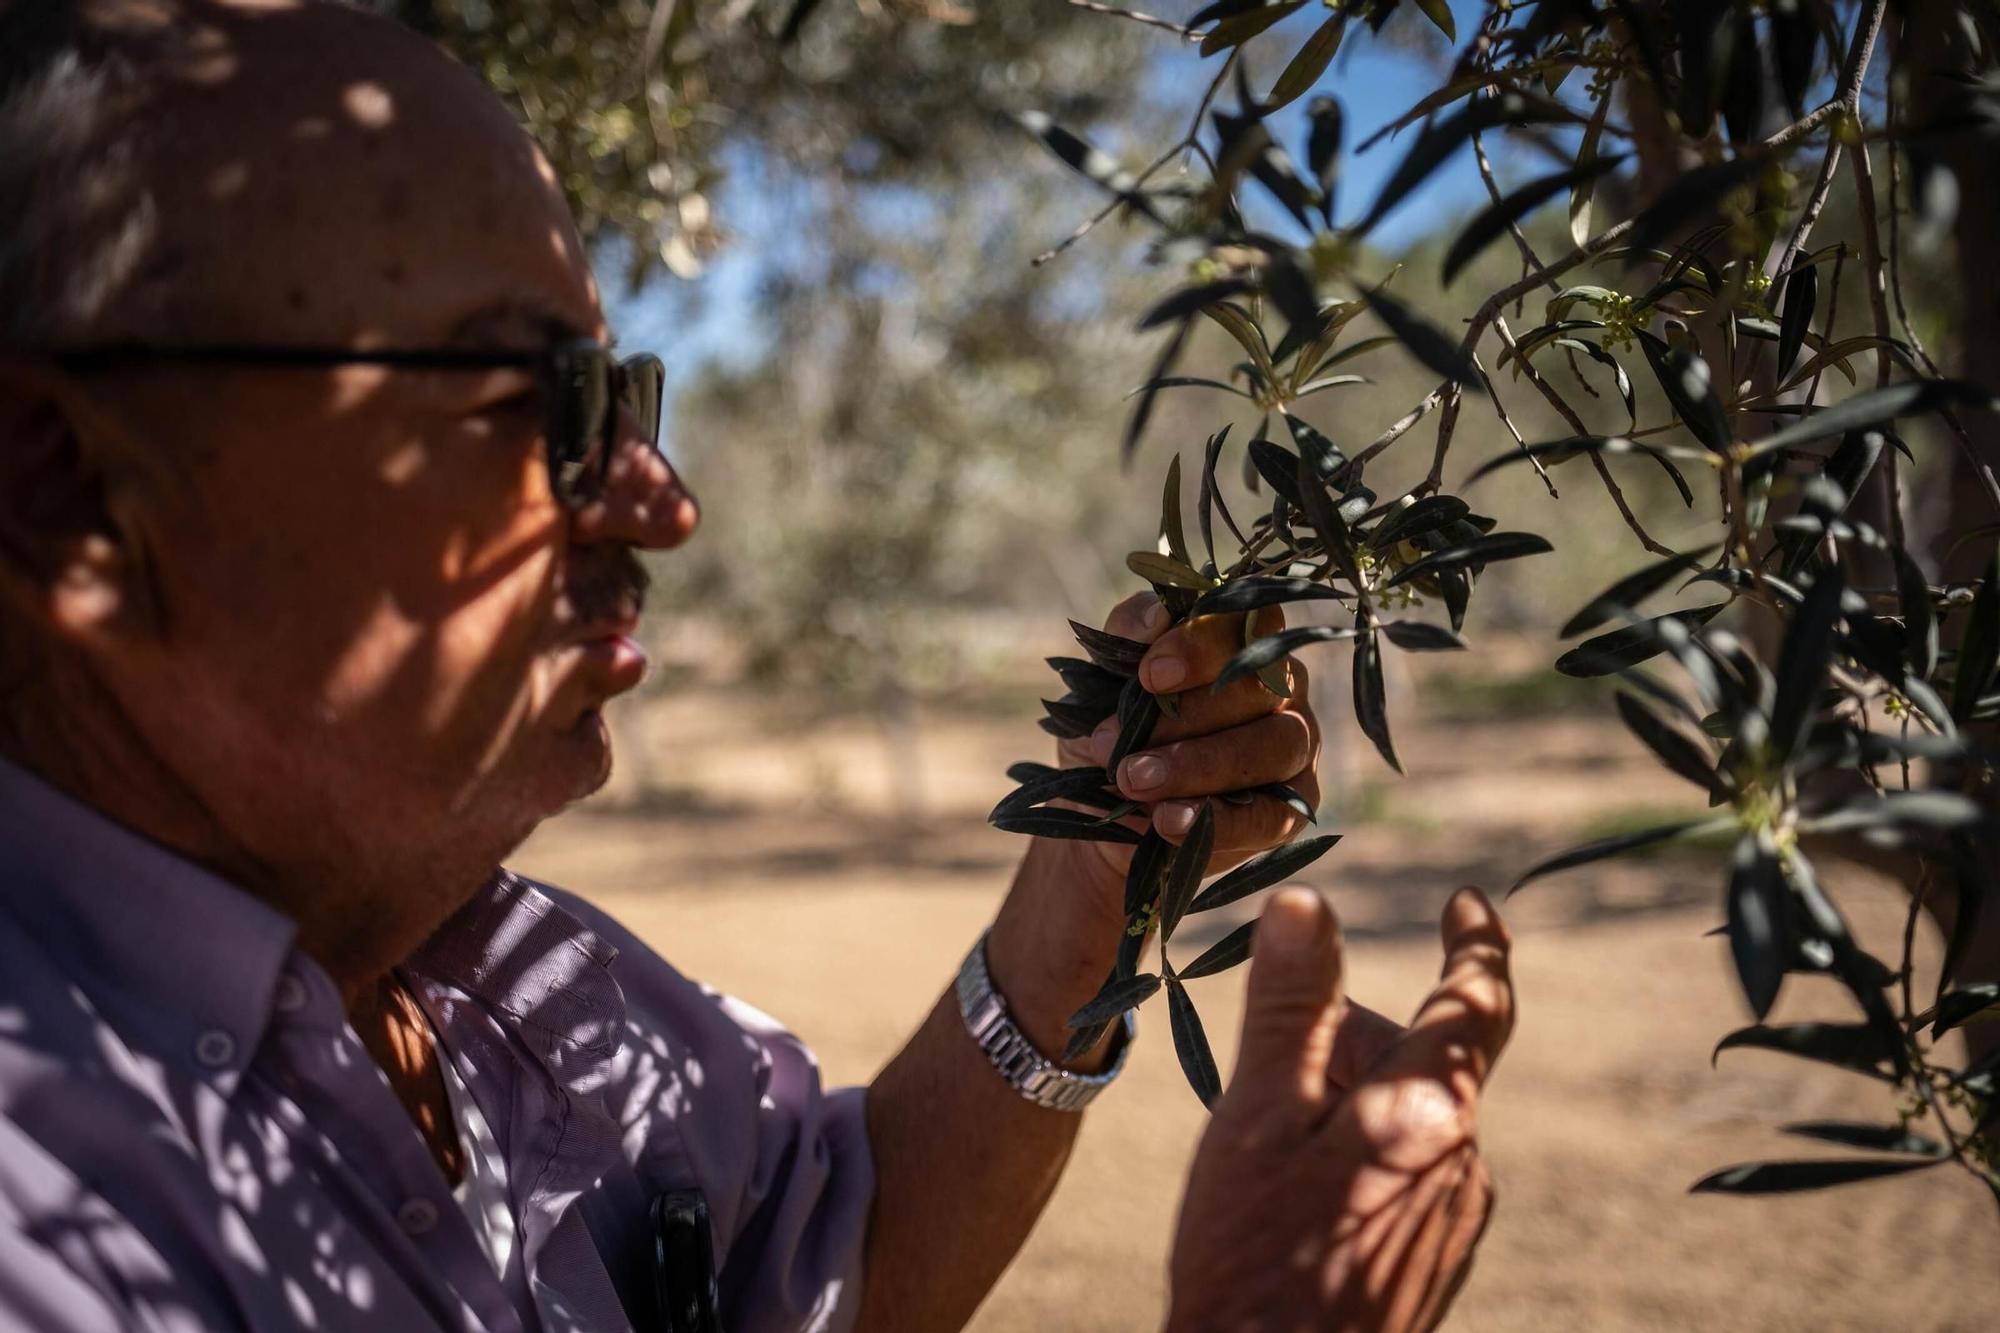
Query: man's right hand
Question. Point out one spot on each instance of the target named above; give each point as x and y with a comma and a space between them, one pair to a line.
1339, 1185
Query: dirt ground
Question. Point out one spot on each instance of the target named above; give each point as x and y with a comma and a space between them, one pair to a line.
772, 862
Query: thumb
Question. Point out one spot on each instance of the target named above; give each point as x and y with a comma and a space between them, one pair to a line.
1292, 1007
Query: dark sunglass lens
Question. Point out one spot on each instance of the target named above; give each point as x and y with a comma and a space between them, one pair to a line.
644, 383
579, 403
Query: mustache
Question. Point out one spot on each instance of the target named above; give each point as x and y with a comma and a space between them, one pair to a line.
609, 587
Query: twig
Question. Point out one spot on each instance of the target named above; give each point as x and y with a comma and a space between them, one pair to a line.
1400, 427
1186, 141
1520, 441
1495, 21
1895, 249
1872, 274
1547, 390
1846, 100
1874, 279
1184, 33
1910, 927
1447, 424
1528, 255
1625, 510
1609, 238
1576, 424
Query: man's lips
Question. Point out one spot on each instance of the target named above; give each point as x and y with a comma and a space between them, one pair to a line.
614, 653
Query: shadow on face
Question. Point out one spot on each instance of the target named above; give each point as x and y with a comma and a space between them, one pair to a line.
338, 604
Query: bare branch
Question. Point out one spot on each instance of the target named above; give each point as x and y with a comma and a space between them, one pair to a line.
1846, 101
1191, 139
1528, 255
1399, 427
1184, 33
1520, 441
1610, 237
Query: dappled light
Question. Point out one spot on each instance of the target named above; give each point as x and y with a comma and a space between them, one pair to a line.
370, 105
1185, 494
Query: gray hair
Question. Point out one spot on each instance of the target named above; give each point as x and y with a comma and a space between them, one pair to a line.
75, 219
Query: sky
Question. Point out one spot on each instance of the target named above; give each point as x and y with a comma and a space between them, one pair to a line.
1375, 81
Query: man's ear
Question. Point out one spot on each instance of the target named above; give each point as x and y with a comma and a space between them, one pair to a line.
67, 563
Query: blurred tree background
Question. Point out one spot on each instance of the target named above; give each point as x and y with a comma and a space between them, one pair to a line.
898, 391
826, 219
824, 216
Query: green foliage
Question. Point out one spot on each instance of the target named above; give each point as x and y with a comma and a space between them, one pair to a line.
1708, 290
1685, 316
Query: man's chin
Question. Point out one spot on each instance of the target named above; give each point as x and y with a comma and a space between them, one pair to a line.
590, 739
564, 766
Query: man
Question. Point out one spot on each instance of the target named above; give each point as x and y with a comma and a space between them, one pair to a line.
319, 504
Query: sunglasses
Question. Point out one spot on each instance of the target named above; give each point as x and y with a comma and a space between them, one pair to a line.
584, 388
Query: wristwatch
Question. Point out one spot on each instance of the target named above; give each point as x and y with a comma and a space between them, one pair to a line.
1026, 1070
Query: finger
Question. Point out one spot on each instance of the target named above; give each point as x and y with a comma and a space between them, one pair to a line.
1274, 748
1291, 1011
1474, 999
1240, 830
1141, 617
1460, 1030
1194, 652
1200, 713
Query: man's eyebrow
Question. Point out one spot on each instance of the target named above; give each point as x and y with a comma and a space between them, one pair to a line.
514, 325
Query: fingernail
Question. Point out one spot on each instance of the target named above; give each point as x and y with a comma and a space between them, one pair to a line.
1103, 739
1175, 819
1164, 673
1291, 924
1155, 617
1143, 772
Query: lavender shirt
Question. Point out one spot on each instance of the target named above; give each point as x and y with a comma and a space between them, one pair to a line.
192, 1137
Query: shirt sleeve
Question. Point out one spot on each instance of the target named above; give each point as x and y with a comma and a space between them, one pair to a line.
710, 1092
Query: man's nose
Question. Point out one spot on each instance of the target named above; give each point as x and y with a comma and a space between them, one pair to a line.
644, 502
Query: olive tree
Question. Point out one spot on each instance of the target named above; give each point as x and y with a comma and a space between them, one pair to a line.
1804, 667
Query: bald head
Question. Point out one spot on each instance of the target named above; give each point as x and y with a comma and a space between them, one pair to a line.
329, 627
263, 170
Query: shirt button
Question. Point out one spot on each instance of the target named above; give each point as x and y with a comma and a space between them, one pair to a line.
215, 1048
291, 995
417, 1216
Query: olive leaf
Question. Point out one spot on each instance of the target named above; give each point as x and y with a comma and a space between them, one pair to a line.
1493, 221
1791, 1177
1225, 953
1262, 872
1190, 864
1426, 341
1371, 709
1118, 995
1308, 63
1272, 647
1191, 1044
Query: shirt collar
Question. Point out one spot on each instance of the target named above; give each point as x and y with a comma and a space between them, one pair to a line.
517, 950
177, 959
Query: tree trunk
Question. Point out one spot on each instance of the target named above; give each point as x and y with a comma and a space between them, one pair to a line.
1951, 498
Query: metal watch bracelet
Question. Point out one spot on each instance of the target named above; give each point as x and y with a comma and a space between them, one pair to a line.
1026, 1070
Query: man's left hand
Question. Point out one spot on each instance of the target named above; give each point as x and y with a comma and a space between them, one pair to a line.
1056, 936
1221, 741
